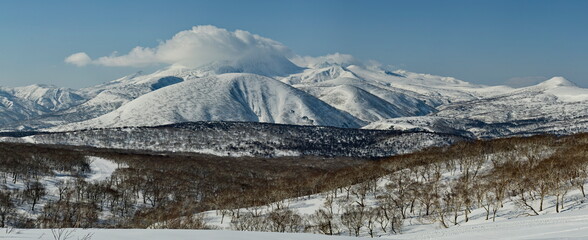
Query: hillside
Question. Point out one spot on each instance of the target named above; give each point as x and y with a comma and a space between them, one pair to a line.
247, 139
518, 184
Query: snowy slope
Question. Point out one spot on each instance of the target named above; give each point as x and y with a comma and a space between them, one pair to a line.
23, 103
373, 94
563, 89
513, 220
440, 89
13, 109
40, 106
48, 97
360, 103
365, 99
369, 97
556, 98
226, 97
567, 225
158, 234
109, 96
554, 106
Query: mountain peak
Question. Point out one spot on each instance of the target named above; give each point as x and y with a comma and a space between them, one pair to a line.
556, 82
36, 86
265, 65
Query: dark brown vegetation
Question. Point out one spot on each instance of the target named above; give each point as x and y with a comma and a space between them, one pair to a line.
437, 185
150, 188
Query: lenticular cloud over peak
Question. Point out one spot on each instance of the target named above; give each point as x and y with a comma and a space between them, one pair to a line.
196, 47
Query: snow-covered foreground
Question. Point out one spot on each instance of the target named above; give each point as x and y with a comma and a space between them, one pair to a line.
511, 223
157, 234
568, 225
565, 225
383, 206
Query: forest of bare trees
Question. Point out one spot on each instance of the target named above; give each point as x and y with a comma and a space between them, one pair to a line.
441, 186
360, 197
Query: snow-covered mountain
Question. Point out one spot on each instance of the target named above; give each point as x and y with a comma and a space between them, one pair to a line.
554, 106
240, 97
554, 98
366, 99
324, 94
35, 101
48, 98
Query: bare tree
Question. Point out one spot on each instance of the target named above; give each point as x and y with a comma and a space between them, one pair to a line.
7, 207
34, 191
353, 217
323, 218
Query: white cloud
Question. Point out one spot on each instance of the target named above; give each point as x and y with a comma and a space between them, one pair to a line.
79, 59
238, 51
192, 48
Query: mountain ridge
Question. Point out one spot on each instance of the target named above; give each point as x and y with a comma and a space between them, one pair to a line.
324, 94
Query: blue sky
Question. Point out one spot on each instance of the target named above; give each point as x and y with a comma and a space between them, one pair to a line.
487, 42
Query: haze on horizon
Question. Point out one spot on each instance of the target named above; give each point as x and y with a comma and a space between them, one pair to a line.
495, 42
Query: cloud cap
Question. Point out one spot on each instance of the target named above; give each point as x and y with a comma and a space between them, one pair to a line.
196, 47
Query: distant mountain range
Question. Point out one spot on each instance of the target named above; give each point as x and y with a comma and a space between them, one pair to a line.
325, 94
